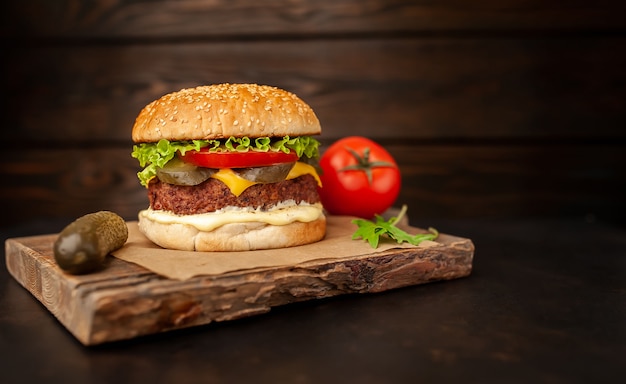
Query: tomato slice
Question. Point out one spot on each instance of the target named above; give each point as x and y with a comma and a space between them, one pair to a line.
204, 158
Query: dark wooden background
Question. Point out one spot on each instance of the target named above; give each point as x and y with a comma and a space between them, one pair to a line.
492, 108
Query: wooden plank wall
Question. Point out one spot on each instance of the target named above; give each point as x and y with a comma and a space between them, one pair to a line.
492, 108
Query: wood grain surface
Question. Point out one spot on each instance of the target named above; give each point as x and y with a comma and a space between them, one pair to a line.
124, 300
163, 18
502, 109
410, 88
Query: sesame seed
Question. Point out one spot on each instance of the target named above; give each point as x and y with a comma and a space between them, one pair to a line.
236, 122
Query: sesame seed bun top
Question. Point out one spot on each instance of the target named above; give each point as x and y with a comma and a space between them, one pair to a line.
225, 110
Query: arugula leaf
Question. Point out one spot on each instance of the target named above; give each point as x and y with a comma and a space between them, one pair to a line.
372, 231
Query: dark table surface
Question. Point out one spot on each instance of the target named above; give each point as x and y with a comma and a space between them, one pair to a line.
545, 303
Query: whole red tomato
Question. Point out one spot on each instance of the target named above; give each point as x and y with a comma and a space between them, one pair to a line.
360, 178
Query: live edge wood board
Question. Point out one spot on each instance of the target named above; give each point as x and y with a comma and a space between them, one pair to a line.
125, 301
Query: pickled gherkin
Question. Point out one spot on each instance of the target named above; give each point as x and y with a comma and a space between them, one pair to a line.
83, 245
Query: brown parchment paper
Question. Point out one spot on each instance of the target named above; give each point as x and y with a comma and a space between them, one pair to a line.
182, 265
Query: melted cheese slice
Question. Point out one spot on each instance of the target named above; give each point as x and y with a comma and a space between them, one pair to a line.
238, 184
282, 215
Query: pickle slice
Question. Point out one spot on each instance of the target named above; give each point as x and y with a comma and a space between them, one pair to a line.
178, 172
268, 174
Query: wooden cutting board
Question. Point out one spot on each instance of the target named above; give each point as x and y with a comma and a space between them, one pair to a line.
125, 300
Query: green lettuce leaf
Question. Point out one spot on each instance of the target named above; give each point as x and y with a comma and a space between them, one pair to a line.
152, 156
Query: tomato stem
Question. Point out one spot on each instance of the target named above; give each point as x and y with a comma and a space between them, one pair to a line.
364, 164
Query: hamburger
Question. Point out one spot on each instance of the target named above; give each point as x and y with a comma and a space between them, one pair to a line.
229, 167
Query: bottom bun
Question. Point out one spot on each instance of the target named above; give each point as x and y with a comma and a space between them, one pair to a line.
234, 236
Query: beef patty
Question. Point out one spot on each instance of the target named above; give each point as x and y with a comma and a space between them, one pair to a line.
212, 195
